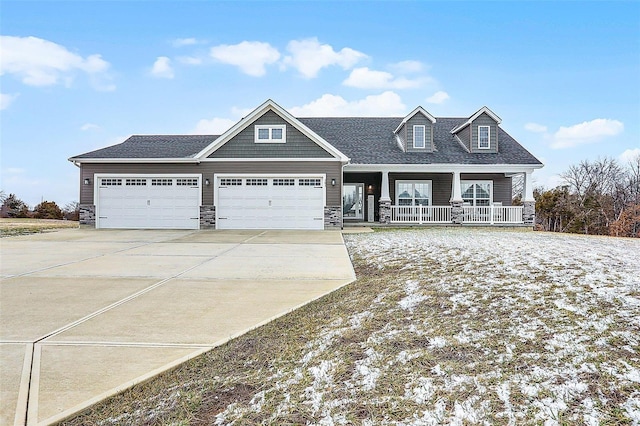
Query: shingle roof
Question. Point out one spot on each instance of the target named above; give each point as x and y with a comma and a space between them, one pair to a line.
364, 140
154, 146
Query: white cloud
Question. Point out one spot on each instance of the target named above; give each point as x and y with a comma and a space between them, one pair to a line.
364, 78
384, 104
38, 62
179, 42
215, 126
438, 97
308, 56
189, 60
408, 67
535, 127
250, 56
6, 100
629, 155
586, 132
162, 68
90, 126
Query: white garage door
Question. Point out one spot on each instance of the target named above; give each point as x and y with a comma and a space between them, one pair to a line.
153, 202
270, 202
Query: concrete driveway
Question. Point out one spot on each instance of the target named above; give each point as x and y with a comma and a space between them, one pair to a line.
87, 313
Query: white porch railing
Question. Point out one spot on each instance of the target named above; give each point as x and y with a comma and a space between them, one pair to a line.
442, 214
492, 214
421, 214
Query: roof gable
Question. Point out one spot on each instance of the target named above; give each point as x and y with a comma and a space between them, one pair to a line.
418, 110
247, 121
483, 110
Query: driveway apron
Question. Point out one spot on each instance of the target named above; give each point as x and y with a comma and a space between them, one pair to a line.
87, 313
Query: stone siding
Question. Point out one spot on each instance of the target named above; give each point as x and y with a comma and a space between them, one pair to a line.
88, 215
384, 212
207, 217
457, 212
529, 213
333, 217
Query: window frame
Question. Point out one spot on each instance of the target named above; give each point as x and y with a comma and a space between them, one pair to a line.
475, 198
270, 128
424, 136
413, 191
480, 146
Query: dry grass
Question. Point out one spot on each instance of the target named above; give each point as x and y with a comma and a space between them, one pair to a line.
9, 227
438, 329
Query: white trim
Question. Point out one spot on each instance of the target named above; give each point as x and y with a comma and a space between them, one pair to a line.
413, 182
271, 128
442, 168
256, 113
266, 160
488, 137
134, 160
456, 137
98, 176
424, 136
419, 109
477, 114
473, 182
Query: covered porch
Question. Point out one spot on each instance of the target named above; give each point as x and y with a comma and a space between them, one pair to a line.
436, 194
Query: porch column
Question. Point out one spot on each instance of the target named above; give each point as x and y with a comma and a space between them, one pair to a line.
384, 212
529, 202
456, 199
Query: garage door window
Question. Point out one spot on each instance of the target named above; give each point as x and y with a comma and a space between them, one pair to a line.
310, 182
136, 182
284, 182
256, 182
187, 182
111, 182
230, 182
161, 182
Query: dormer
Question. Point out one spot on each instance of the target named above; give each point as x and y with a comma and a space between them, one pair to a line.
415, 132
479, 134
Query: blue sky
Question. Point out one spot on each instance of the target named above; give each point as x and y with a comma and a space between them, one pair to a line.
76, 76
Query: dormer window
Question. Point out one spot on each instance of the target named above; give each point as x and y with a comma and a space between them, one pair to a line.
418, 136
271, 133
483, 137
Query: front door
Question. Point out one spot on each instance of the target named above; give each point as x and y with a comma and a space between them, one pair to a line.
352, 201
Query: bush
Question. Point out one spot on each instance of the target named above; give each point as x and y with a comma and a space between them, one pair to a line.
12, 206
72, 211
47, 210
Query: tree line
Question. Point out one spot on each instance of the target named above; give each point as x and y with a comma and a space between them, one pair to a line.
600, 197
14, 207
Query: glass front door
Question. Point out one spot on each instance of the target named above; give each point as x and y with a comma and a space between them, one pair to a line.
352, 201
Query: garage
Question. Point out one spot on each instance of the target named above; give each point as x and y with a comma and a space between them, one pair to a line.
148, 202
270, 202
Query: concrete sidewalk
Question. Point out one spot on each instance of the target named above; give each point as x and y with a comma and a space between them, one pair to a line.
87, 313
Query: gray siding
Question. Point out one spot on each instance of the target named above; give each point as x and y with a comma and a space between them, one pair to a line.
332, 169
420, 120
501, 186
297, 145
484, 120
402, 133
465, 137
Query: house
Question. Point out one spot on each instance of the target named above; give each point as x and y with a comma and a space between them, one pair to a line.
272, 170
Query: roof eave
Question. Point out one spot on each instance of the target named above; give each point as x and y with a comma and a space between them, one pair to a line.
77, 160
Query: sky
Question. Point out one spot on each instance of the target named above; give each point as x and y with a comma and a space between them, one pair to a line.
563, 76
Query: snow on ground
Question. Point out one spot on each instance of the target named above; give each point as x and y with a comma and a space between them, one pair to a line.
476, 326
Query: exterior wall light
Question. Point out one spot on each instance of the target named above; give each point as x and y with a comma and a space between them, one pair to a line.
206, 182
87, 181
333, 182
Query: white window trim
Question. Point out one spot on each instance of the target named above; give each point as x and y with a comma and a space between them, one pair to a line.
473, 182
424, 136
488, 138
271, 127
429, 182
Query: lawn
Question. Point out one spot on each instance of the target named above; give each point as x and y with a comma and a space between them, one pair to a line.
443, 326
9, 227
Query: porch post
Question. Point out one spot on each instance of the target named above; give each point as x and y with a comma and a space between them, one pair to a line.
529, 202
456, 199
384, 211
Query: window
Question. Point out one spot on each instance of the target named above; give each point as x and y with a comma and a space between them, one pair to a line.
418, 137
187, 182
271, 133
111, 182
230, 182
161, 182
136, 182
284, 182
413, 193
477, 193
310, 182
256, 182
484, 133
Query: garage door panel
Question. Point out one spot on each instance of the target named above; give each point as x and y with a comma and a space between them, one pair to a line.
280, 204
148, 203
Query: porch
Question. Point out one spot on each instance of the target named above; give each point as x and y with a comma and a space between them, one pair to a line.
487, 215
